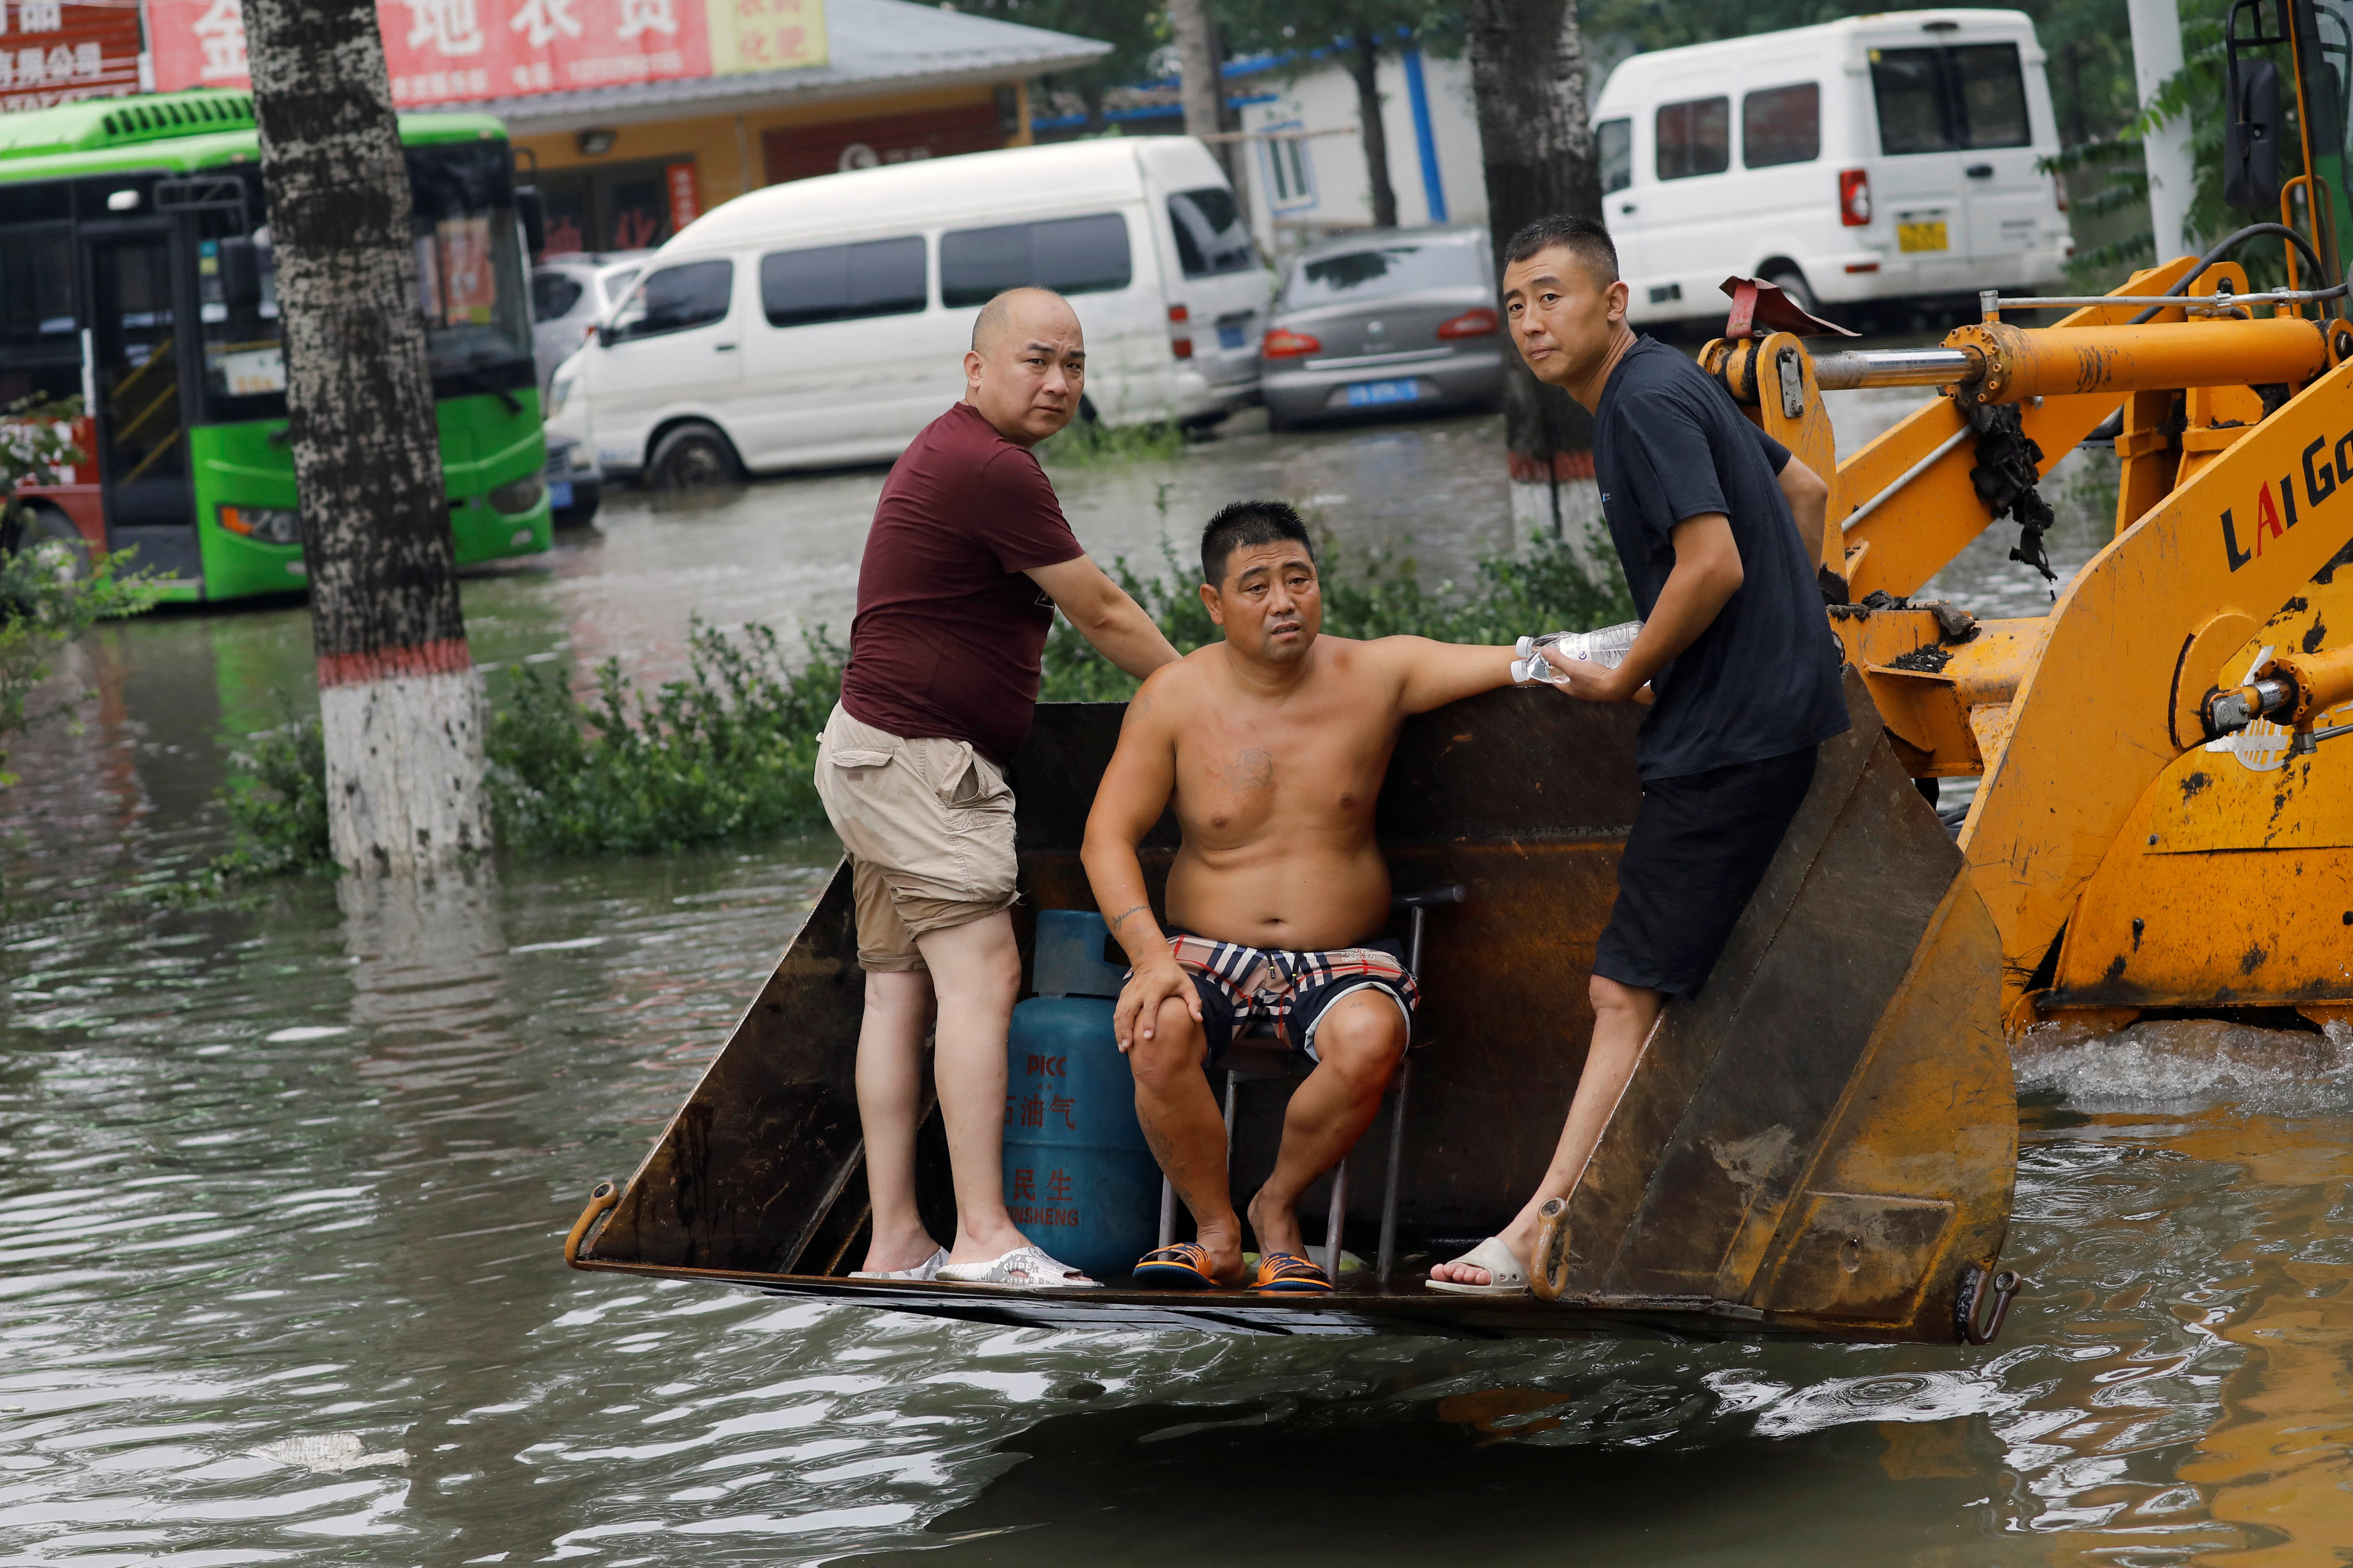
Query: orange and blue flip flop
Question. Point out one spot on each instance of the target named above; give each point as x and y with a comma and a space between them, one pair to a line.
1184, 1267
1287, 1272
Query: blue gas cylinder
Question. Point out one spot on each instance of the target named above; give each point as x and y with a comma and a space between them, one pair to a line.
1079, 1180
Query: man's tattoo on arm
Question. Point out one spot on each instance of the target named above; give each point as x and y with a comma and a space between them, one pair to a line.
1123, 914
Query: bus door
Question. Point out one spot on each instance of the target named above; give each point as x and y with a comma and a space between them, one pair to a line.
136, 356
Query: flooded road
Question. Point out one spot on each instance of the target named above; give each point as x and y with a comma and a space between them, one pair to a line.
283, 1183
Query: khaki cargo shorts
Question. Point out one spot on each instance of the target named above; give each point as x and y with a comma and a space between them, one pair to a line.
928, 827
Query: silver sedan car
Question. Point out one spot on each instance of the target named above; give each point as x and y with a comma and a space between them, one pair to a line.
1382, 320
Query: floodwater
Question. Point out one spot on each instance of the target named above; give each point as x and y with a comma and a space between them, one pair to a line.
283, 1181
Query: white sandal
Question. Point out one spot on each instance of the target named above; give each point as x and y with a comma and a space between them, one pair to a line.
1023, 1268
1506, 1274
921, 1273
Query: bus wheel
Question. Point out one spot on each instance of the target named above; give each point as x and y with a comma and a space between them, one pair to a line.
49, 536
694, 457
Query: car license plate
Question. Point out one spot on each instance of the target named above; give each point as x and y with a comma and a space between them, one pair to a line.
1921, 236
1232, 337
559, 494
1365, 393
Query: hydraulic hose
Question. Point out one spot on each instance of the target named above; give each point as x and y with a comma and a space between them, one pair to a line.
2231, 242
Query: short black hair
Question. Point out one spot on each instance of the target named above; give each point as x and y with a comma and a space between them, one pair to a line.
1582, 237
1243, 525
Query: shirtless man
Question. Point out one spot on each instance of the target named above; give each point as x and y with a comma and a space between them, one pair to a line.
1272, 745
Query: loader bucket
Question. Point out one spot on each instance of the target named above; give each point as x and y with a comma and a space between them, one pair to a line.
1820, 1144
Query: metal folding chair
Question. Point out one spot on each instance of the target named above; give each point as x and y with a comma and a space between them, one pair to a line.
1256, 1055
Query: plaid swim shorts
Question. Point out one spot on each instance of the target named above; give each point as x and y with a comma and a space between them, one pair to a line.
1239, 985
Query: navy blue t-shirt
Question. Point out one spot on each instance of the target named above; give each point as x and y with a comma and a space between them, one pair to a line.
1763, 679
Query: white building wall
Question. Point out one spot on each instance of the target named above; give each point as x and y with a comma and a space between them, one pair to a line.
1336, 190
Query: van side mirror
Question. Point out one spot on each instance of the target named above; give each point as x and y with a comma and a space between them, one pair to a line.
240, 273
533, 211
2251, 161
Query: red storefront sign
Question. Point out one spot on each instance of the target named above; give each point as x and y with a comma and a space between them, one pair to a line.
452, 52
52, 52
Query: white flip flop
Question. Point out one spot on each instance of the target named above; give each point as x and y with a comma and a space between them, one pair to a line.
1508, 1274
921, 1273
1023, 1268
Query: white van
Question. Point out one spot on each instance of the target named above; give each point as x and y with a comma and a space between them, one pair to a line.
825, 320
1880, 157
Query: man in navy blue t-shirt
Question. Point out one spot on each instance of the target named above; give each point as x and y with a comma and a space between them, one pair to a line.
1713, 520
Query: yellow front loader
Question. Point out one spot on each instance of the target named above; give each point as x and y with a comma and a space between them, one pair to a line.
2164, 815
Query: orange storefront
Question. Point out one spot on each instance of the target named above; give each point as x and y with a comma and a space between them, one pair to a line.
623, 167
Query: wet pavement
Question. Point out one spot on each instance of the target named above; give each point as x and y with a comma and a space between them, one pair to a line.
283, 1183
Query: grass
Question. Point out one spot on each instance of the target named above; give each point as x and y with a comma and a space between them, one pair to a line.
726, 752
1091, 444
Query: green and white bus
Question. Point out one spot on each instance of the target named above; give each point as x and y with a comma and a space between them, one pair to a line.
135, 272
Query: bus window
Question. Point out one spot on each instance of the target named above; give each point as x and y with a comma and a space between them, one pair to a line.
469, 266
244, 354
37, 308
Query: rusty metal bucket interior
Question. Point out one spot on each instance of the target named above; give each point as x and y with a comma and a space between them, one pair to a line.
1822, 1143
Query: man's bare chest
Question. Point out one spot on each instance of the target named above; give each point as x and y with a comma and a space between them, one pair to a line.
1239, 774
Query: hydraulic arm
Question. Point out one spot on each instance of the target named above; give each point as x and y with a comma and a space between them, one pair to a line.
2144, 745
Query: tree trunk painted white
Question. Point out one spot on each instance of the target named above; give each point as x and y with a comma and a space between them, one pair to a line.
2157, 58
397, 698
405, 771
1528, 79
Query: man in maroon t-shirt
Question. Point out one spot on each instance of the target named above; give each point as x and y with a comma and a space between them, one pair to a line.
965, 564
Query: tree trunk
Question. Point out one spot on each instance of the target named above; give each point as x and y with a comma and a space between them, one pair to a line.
1528, 74
397, 698
1200, 86
1364, 65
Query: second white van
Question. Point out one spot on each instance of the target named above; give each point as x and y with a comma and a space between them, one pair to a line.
825, 320
1886, 157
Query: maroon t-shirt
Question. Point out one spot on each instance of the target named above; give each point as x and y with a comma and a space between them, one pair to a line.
949, 631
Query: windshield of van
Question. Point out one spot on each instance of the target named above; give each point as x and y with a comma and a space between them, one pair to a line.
1378, 272
1211, 236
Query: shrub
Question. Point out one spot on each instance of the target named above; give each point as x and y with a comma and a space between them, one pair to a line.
278, 801
725, 752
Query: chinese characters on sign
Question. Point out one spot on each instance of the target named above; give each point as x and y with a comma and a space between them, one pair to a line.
454, 51
53, 52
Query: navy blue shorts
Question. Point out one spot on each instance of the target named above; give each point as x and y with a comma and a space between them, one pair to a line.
1701, 844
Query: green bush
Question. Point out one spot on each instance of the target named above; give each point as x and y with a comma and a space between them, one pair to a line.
727, 752
1088, 442
278, 801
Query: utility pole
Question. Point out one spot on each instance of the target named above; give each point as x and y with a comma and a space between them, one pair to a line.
2165, 150
1528, 74
397, 699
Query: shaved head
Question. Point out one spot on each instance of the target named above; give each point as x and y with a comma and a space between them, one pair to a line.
1027, 371
1017, 306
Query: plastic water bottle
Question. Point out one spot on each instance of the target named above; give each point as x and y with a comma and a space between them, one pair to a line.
1607, 648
